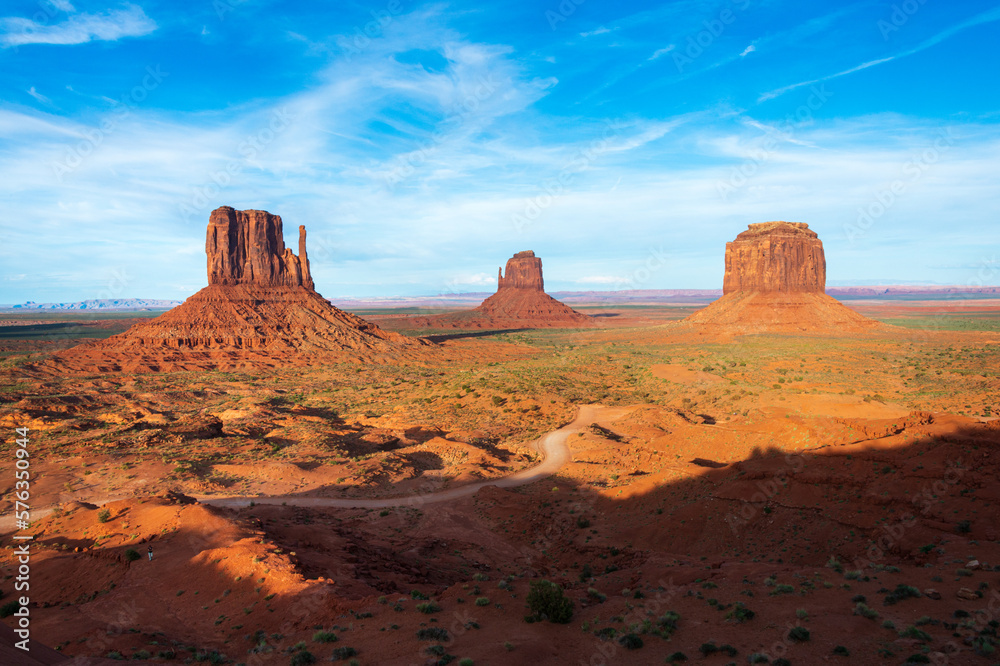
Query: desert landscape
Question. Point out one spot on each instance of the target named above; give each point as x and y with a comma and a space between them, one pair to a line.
407, 333
775, 478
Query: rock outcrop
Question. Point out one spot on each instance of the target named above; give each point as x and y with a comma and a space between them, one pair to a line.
247, 247
524, 271
259, 308
775, 257
520, 302
775, 282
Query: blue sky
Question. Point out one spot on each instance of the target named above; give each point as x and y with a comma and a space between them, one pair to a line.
424, 143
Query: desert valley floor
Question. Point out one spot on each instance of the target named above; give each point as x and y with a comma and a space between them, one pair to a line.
776, 499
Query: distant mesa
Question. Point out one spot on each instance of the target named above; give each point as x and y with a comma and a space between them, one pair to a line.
775, 282
259, 308
520, 302
775, 257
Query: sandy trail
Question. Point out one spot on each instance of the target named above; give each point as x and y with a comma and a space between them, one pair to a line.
552, 446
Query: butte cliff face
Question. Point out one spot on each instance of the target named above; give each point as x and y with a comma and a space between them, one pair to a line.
775, 257
247, 247
775, 282
520, 302
524, 271
259, 308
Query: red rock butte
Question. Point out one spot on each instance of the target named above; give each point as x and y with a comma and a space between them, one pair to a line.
520, 302
260, 308
775, 282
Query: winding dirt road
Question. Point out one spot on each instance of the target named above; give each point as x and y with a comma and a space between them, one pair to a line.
552, 446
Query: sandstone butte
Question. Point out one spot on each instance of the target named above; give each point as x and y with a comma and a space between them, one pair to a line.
520, 302
260, 308
775, 282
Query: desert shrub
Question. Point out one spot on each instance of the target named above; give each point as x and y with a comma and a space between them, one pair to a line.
799, 634
841, 651
324, 637
963, 527
343, 653
104, 515
606, 633
465, 661
131, 555
783, 589
900, 593
630, 641
757, 658
141, 655
303, 658
483, 601
913, 632
708, 648
547, 602
676, 658
417, 594
433, 634
917, 659
729, 650
863, 610
667, 624
9, 608
740, 613
596, 595
428, 607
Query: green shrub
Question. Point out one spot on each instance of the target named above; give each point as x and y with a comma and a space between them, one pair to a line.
740, 613
630, 641
428, 607
417, 594
863, 610
343, 653
667, 624
303, 658
708, 648
9, 608
104, 515
483, 601
547, 602
131, 555
676, 658
913, 632
799, 634
433, 634
465, 661
596, 595
324, 637
841, 651
900, 593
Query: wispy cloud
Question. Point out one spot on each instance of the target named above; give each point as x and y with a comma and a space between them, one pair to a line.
131, 21
749, 49
979, 19
662, 52
599, 31
39, 96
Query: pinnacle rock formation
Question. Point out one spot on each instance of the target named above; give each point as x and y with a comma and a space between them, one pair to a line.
520, 302
260, 308
247, 247
775, 282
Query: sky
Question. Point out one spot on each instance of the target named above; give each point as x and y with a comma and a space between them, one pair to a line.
424, 143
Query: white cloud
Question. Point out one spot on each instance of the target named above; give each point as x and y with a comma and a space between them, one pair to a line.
985, 17
662, 52
78, 28
749, 49
39, 96
600, 31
